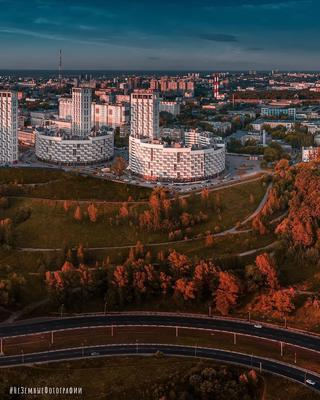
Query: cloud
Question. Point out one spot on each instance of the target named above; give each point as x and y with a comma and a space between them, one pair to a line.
85, 27
255, 49
45, 21
50, 36
253, 4
218, 37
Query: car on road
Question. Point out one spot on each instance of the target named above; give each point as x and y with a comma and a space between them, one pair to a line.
258, 326
310, 382
94, 353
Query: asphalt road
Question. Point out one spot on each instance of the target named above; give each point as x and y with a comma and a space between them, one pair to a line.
27, 327
266, 365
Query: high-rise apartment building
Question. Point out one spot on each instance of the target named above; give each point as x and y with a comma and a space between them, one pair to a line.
81, 111
65, 108
112, 115
195, 156
8, 127
145, 114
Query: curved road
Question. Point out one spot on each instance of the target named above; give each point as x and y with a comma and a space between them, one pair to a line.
263, 364
270, 332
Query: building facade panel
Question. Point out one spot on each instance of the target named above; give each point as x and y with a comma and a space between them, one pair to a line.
8, 127
68, 151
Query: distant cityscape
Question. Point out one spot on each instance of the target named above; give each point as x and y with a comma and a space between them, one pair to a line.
184, 127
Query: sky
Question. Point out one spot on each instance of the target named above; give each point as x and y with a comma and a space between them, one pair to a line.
160, 34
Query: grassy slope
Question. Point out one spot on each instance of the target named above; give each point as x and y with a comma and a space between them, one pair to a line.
49, 225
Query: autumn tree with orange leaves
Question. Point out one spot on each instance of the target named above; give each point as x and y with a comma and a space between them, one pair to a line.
227, 293
268, 269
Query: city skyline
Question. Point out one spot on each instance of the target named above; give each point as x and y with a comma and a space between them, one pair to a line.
234, 35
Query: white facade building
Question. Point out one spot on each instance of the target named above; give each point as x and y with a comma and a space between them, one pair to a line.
310, 153
277, 112
172, 107
8, 127
194, 157
74, 142
65, 108
81, 111
57, 148
114, 115
154, 160
145, 114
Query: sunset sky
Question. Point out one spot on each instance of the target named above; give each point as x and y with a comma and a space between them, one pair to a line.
123, 34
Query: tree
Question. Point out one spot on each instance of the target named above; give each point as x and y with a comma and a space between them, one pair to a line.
205, 196
179, 263
123, 211
119, 166
209, 241
267, 268
278, 303
78, 214
66, 205
259, 226
92, 212
185, 288
227, 292
80, 254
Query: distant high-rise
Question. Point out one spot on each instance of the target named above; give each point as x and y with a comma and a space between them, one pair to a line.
145, 114
8, 127
65, 108
81, 111
216, 85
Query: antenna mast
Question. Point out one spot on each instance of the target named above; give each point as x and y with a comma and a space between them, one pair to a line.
60, 67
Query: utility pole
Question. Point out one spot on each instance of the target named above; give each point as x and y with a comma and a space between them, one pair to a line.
210, 311
111, 330
285, 322
60, 67
295, 358
51, 337
281, 346
234, 338
249, 316
177, 331
260, 367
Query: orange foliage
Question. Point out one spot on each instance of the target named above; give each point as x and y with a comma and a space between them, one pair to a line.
185, 288
227, 292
